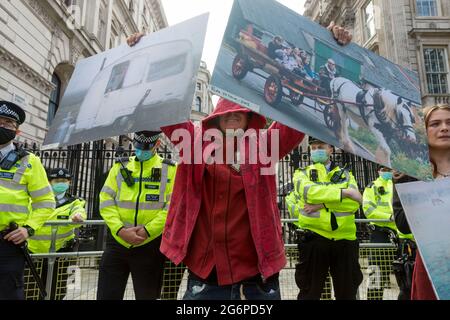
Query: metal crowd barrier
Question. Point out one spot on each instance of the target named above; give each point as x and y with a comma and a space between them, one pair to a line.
76, 273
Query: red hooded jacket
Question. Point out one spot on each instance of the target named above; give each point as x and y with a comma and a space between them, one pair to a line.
260, 191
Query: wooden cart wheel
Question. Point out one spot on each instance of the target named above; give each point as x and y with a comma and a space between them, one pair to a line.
273, 91
240, 67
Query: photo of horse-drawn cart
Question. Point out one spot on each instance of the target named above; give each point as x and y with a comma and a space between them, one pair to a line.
281, 82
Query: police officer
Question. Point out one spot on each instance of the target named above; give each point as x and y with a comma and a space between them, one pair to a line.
134, 203
382, 202
26, 200
70, 209
325, 199
377, 204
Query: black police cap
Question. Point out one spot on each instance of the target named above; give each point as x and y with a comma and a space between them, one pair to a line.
12, 111
314, 140
145, 140
59, 173
380, 166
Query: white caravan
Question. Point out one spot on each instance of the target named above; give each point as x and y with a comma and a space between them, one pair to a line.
123, 90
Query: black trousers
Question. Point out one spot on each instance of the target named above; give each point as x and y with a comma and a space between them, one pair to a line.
380, 264
317, 257
145, 263
12, 264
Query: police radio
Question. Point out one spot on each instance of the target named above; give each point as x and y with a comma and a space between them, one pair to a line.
381, 190
337, 176
126, 174
11, 158
156, 175
313, 175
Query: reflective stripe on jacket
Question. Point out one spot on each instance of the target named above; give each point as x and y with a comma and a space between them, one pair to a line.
377, 202
143, 204
323, 191
41, 241
25, 193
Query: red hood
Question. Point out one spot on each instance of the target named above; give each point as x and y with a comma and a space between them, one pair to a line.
225, 106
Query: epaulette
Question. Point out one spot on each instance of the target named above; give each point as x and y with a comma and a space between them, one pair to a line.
370, 185
169, 162
68, 199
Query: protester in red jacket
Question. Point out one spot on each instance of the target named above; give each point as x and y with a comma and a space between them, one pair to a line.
224, 222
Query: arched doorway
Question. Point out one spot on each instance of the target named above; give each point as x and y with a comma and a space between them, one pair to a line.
60, 79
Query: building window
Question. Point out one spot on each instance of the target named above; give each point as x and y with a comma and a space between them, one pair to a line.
427, 8
145, 14
54, 99
436, 69
199, 86
369, 20
198, 104
103, 16
131, 7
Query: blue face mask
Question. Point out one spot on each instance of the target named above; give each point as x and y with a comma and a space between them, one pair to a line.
386, 175
143, 155
60, 187
319, 156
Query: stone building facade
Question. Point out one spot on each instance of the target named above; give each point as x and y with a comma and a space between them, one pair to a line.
411, 33
202, 105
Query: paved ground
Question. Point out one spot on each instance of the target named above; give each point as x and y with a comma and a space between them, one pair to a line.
289, 291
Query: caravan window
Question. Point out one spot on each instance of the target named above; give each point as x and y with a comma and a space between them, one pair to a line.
166, 68
117, 77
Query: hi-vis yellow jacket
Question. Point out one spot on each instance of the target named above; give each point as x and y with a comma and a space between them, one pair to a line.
323, 191
26, 197
145, 203
66, 208
377, 204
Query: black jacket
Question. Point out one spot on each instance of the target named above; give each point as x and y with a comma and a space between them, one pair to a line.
272, 48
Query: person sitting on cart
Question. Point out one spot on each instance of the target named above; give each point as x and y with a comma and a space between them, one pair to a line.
290, 62
282, 55
300, 69
274, 45
298, 56
310, 74
327, 72
305, 62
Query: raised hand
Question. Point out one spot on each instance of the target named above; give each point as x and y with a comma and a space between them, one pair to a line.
342, 35
134, 38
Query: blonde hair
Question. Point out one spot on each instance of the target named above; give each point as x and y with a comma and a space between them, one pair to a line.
427, 111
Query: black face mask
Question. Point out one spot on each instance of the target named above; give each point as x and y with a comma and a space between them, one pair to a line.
6, 135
